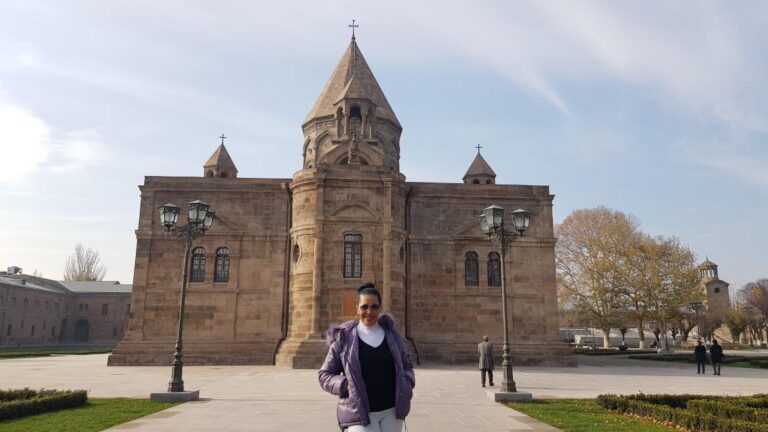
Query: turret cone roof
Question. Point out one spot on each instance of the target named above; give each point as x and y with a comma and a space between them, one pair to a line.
352, 79
479, 167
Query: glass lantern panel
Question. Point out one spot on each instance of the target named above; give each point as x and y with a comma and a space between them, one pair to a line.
483, 224
498, 216
208, 221
197, 210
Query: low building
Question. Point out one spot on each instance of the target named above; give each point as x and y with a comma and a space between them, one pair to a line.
38, 311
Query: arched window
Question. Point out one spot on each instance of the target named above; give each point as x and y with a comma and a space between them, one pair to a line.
221, 272
470, 269
223, 174
353, 256
198, 265
209, 173
494, 269
355, 118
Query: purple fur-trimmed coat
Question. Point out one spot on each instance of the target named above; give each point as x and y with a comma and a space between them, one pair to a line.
342, 375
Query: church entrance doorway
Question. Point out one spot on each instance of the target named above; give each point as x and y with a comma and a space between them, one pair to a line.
82, 328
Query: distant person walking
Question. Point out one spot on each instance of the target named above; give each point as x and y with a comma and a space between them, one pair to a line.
485, 349
701, 357
716, 354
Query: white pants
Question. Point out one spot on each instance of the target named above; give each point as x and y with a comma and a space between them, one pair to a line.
381, 421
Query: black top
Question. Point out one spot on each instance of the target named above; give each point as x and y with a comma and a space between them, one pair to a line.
378, 374
701, 352
716, 352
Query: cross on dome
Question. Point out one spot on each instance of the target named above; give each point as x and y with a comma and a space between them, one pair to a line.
353, 26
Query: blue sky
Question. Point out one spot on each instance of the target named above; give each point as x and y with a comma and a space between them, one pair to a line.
657, 109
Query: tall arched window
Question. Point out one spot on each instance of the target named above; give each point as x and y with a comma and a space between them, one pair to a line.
221, 271
470, 269
198, 265
353, 256
494, 269
355, 119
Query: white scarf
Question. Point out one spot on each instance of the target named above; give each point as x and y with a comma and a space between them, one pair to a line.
371, 335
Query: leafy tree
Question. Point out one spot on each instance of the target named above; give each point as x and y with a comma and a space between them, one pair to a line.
590, 264
84, 265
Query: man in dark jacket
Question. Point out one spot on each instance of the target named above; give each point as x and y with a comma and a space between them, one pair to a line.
701, 357
485, 349
716, 354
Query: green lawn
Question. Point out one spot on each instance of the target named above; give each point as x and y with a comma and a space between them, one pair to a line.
95, 415
583, 415
42, 351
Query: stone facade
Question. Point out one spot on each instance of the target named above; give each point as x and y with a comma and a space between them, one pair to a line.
36, 311
299, 248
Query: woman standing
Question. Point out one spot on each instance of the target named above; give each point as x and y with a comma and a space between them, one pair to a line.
368, 368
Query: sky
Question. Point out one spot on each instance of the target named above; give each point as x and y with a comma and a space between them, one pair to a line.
658, 109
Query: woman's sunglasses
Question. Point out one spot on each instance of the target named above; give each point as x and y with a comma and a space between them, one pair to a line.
373, 307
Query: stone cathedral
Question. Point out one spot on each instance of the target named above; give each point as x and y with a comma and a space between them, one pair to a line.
285, 256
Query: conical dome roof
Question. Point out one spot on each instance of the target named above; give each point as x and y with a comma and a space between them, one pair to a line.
220, 163
352, 79
479, 167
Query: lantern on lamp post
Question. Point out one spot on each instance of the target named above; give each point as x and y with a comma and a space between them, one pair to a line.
492, 225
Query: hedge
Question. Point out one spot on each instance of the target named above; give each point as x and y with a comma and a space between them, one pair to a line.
729, 409
693, 412
20, 403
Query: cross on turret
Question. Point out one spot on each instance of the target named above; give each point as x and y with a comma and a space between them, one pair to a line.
353, 26
478, 147
222, 139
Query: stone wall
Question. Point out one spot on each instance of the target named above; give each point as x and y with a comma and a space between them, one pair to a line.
238, 321
448, 318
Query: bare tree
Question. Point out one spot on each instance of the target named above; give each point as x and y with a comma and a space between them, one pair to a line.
737, 321
84, 265
755, 295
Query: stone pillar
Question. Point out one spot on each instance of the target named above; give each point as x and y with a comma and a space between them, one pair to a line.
317, 279
387, 246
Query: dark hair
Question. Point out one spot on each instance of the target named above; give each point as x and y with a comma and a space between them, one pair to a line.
368, 289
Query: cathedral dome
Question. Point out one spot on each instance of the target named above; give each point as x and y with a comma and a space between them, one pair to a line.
352, 122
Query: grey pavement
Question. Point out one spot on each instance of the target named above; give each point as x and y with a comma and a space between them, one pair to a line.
449, 399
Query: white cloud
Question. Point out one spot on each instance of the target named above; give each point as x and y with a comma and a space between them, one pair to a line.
749, 169
75, 151
24, 141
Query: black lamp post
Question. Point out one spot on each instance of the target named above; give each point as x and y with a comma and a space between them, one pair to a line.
492, 225
199, 220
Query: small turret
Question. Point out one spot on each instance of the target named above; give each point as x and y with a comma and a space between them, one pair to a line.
220, 163
708, 270
479, 172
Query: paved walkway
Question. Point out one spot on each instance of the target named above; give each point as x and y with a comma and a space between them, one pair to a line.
268, 398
